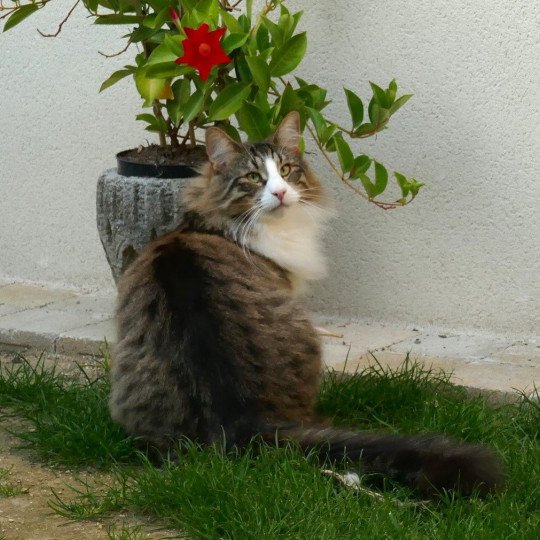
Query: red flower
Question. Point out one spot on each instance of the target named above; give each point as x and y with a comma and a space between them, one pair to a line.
173, 14
202, 49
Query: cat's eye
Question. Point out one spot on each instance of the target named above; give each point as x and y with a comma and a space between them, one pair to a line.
285, 170
253, 177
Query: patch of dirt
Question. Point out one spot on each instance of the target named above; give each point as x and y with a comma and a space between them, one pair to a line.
28, 516
166, 155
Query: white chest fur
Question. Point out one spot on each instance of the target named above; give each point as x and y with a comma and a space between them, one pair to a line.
291, 238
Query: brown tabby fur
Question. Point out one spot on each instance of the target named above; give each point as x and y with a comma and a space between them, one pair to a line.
213, 344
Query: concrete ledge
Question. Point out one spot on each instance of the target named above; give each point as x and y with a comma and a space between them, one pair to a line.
67, 323
47, 319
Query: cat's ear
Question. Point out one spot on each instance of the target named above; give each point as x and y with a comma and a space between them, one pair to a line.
288, 134
221, 149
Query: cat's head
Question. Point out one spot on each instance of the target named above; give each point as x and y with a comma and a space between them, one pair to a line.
255, 182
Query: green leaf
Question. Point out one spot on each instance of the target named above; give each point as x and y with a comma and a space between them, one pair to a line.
234, 41
230, 22
114, 78
415, 186
201, 5
286, 23
318, 121
288, 102
391, 92
313, 96
253, 122
381, 178
373, 112
411, 186
165, 70
275, 32
243, 20
181, 90
19, 15
162, 53
403, 183
118, 19
243, 73
379, 95
297, 16
161, 18
259, 70
174, 45
305, 97
146, 117
189, 4
326, 136
141, 34
377, 114
229, 101
360, 166
154, 124
148, 88
356, 108
261, 101
263, 38
345, 155
192, 19
368, 186
287, 57
365, 129
400, 102
230, 130
193, 105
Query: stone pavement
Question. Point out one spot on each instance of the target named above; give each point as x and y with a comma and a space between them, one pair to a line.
69, 322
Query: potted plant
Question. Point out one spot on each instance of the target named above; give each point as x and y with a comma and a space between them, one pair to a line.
199, 63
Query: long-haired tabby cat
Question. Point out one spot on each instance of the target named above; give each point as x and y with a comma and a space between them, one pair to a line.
213, 344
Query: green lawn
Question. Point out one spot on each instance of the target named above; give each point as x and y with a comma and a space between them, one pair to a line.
278, 493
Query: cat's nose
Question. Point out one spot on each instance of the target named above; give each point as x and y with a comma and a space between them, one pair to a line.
279, 194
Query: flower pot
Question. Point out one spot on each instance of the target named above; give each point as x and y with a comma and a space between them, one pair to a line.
134, 210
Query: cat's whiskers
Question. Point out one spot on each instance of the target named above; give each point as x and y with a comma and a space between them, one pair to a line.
247, 229
242, 227
319, 210
237, 224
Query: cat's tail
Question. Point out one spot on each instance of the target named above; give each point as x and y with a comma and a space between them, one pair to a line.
428, 463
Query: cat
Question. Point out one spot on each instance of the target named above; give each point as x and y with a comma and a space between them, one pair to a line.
213, 343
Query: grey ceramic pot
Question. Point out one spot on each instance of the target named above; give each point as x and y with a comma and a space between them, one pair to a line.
132, 211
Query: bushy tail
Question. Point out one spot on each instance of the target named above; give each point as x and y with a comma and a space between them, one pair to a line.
429, 463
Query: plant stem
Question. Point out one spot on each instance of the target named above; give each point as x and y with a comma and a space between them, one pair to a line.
17, 6
380, 204
157, 114
191, 132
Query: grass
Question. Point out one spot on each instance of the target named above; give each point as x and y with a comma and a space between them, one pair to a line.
7, 489
278, 493
69, 417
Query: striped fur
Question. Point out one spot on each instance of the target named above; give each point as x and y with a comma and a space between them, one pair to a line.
213, 343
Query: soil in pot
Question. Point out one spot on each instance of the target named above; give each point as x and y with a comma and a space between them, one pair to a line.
161, 161
166, 155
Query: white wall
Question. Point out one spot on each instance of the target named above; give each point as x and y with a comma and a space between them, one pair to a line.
465, 255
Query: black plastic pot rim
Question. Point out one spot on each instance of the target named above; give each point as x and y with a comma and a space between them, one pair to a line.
129, 168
